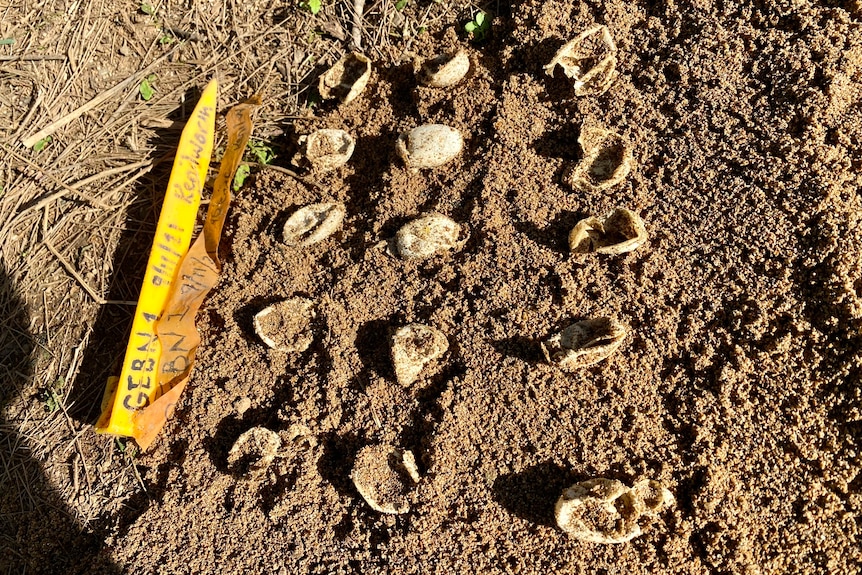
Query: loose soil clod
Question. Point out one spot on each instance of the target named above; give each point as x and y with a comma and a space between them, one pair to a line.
384, 476
584, 343
286, 325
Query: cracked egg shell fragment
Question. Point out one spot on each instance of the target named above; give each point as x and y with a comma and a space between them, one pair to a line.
253, 452
413, 347
325, 150
384, 476
346, 79
584, 343
445, 70
286, 325
606, 511
428, 235
618, 232
607, 160
429, 146
313, 223
590, 59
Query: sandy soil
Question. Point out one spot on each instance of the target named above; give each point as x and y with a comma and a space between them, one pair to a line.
737, 386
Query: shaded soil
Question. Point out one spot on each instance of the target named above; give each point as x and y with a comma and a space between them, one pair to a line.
737, 387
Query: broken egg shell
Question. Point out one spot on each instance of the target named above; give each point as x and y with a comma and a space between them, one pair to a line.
618, 232
650, 497
429, 145
413, 347
286, 325
384, 476
596, 511
325, 150
253, 452
606, 511
445, 70
584, 343
346, 79
313, 223
608, 159
589, 59
428, 235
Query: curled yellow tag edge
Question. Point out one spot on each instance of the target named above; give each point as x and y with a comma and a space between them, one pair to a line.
137, 386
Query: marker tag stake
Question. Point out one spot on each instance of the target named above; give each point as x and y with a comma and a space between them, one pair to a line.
161, 348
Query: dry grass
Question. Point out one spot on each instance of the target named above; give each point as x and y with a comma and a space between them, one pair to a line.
74, 69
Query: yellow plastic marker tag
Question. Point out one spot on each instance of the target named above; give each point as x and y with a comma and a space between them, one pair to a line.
139, 385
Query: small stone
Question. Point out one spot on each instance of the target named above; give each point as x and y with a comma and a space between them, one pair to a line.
346, 79
590, 59
606, 511
253, 452
384, 476
620, 231
286, 325
313, 223
584, 343
241, 405
325, 150
429, 145
413, 347
606, 162
428, 235
445, 70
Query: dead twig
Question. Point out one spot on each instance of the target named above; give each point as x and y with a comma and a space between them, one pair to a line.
32, 57
104, 96
356, 29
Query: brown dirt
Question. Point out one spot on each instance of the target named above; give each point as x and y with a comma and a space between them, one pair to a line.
737, 387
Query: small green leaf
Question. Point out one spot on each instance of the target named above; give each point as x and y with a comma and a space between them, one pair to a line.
7, 41
479, 19
41, 144
312, 6
146, 88
147, 8
242, 173
470, 27
401, 5
165, 39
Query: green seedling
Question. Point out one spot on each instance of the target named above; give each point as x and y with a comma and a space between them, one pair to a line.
478, 27
242, 173
312, 6
51, 397
259, 152
166, 39
401, 5
42, 144
147, 8
146, 87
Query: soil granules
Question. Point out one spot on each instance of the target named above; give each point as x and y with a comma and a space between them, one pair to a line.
737, 386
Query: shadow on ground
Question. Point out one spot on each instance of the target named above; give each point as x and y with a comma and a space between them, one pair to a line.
38, 533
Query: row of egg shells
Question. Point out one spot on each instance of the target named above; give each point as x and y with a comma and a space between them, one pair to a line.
590, 59
597, 510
